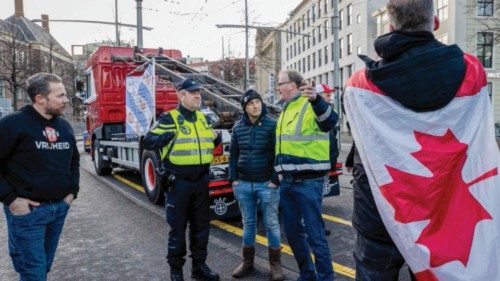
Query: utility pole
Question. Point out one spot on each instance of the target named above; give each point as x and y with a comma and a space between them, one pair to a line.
247, 63
116, 24
336, 69
139, 23
222, 61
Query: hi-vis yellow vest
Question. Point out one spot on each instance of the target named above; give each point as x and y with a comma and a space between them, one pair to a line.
300, 144
193, 143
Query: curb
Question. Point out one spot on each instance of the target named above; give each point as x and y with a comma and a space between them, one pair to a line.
290, 275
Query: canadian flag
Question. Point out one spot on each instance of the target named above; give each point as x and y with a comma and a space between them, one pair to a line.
434, 176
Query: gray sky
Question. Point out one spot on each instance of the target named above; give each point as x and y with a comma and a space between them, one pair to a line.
185, 25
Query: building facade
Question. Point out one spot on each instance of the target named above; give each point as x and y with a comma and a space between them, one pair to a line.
309, 45
470, 24
267, 63
36, 50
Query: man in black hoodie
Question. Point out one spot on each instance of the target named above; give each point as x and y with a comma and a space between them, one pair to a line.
39, 175
422, 74
186, 141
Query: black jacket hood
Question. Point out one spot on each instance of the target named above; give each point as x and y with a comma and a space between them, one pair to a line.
416, 70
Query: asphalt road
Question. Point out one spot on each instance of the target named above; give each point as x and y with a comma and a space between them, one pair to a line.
114, 233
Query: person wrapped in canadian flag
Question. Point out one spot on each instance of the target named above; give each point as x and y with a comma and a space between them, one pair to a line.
422, 121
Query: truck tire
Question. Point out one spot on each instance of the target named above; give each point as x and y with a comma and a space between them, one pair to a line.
150, 162
101, 167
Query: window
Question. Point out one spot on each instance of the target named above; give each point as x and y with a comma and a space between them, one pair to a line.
313, 9
326, 78
484, 8
308, 18
308, 63
326, 54
319, 9
314, 60
300, 68
349, 69
304, 63
325, 27
485, 48
442, 6
358, 18
299, 46
325, 7
287, 53
309, 41
331, 3
294, 49
349, 14
341, 19
314, 36
341, 72
333, 51
295, 65
443, 39
298, 25
341, 46
303, 22
490, 90
319, 32
304, 44
358, 50
2, 89
349, 44
332, 27
319, 58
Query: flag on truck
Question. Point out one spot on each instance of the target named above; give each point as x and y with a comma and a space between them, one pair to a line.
140, 102
434, 176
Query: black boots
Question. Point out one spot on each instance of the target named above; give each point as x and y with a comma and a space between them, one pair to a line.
275, 264
203, 272
246, 265
176, 275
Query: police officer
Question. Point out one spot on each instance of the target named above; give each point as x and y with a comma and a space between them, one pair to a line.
186, 142
302, 162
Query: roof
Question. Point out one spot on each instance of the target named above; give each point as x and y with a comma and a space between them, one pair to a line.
33, 33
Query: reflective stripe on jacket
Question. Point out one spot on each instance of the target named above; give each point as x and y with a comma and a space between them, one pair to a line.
193, 143
300, 144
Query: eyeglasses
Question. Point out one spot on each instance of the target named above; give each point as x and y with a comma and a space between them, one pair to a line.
283, 83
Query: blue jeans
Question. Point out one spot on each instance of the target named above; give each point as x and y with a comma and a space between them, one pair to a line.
248, 195
304, 227
377, 260
33, 238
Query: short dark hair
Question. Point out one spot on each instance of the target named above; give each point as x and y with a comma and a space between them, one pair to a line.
38, 84
294, 76
411, 15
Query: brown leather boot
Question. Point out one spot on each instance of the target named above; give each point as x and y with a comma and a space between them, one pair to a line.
246, 265
275, 264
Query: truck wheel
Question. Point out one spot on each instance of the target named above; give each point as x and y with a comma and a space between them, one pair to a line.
101, 167
149, 164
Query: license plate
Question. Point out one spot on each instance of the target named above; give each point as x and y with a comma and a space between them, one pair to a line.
220, 159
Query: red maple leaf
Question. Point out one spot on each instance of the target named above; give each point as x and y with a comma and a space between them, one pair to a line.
444, 198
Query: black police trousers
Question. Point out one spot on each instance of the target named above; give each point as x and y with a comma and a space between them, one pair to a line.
187, 202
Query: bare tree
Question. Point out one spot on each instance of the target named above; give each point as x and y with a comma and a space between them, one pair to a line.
486, 14
15, 60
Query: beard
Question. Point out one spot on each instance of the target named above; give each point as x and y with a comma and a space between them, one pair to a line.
55, 112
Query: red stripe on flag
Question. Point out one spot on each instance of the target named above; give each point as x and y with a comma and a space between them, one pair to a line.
474, 80
475, 77
359, 80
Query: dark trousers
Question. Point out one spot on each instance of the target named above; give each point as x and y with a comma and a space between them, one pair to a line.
188, 202
377, 261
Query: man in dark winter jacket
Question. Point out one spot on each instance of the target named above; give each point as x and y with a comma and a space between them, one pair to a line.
251, 160
412, 61
39, 175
